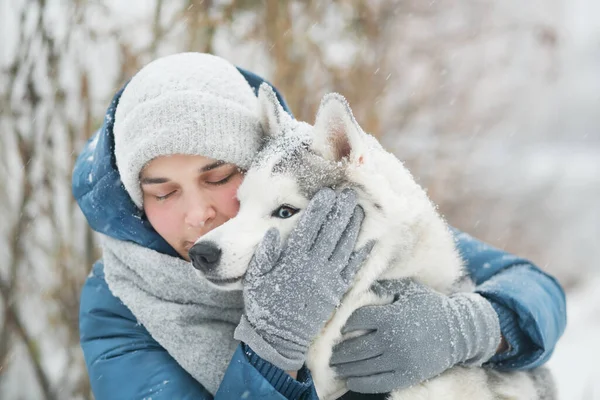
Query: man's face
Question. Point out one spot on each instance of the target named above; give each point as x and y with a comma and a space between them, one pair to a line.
187, 196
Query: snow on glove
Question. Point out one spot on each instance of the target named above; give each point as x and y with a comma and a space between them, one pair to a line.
291, 292
418, 336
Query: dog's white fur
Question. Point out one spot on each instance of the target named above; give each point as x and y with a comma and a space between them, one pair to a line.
412, 240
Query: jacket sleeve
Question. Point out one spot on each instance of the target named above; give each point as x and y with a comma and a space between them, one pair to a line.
125, 362
530, 304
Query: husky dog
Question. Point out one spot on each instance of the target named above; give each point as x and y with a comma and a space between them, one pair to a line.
412, 240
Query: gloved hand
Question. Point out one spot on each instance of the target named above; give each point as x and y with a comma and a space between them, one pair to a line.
291, 292
418, 336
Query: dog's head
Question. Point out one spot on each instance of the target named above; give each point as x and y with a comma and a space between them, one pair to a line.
296, 160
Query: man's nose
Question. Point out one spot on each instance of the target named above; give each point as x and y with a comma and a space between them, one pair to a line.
199, 213
205, 256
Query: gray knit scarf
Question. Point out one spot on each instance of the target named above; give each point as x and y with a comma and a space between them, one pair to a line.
193, 321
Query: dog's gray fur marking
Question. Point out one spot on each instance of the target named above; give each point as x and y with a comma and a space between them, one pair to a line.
310, 170
541, 377
544, 383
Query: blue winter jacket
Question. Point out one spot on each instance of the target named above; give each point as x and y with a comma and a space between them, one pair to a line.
125, 362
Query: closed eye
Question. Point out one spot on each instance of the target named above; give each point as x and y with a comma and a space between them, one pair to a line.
166, 196
285, 211
222, 181
233, 173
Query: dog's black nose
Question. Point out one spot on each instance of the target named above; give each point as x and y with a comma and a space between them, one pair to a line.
205, 256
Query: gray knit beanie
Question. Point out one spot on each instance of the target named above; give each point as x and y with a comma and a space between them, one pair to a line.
187, 103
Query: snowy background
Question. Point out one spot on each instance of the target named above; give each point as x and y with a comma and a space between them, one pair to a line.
494, 105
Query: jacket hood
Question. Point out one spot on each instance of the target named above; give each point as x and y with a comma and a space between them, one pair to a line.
98, 189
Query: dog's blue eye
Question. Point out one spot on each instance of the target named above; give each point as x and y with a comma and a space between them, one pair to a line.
284, 212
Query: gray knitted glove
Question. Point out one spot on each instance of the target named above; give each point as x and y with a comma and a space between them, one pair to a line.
290, 293
418, 336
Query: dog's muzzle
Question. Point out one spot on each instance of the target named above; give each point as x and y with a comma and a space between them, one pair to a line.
205, 257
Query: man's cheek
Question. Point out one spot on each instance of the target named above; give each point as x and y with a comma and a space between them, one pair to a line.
232, 204
230, 199
163, 223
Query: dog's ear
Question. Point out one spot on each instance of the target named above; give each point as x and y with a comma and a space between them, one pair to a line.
337, 134
272, 114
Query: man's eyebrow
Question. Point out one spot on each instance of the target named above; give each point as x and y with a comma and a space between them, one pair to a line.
214, 165
153, 181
